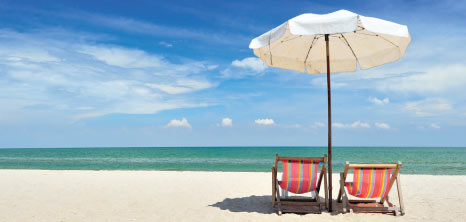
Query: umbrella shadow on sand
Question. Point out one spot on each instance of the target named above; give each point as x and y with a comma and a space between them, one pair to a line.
257, 204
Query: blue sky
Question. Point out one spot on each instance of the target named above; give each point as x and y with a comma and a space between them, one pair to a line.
180, 73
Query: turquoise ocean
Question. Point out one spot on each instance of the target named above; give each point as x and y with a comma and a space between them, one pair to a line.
415, 160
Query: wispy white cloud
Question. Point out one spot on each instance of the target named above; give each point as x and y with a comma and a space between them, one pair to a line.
182, 86
212, 67
428, 107
179, 123
354, 125
166, 44
138, 26
68, 75
317, 125
251, 66
170, 89
227, 122
27, 55
434, 80
264, 121
435, 126
252, 63
408, 79
377, 101
382, 126
122, 57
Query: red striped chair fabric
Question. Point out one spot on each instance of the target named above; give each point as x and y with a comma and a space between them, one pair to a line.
369, 183
299, 176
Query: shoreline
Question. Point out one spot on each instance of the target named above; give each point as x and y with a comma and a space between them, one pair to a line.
204, 171
274, 146
430, 161
116, 195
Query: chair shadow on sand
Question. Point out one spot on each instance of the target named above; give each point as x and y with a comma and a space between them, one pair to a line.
256, 204
251, 204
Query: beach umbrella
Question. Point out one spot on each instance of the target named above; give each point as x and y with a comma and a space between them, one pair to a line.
337, 42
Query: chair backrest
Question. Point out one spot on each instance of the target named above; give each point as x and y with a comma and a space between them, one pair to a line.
300, 174
372, 180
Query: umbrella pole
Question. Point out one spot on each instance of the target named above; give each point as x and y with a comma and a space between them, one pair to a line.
329, 127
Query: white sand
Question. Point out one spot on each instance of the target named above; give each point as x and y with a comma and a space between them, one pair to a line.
44, 195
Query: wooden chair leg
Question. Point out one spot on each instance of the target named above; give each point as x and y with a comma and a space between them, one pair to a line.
339, 196
343, 193
318, 200
383, 199
319, 182
279, 205
400, 195
274, 181
326, 191
386, 199
345, 205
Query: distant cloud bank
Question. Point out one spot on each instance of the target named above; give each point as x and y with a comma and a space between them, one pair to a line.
377, 101
354, 125
250, 66
252, 63
264, 121
179, 123
382, 126
67, 75
227, 122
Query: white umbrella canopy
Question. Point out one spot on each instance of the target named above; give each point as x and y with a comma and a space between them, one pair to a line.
338, 41
299, 43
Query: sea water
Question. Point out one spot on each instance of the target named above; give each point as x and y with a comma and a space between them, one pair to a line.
415, 160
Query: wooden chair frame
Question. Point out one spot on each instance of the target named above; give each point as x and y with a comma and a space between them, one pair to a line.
299, 205
358, 205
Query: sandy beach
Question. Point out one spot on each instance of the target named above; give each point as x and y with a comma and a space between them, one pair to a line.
45, 195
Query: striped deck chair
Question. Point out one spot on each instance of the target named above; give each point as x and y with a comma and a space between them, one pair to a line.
370, 182
300, 175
